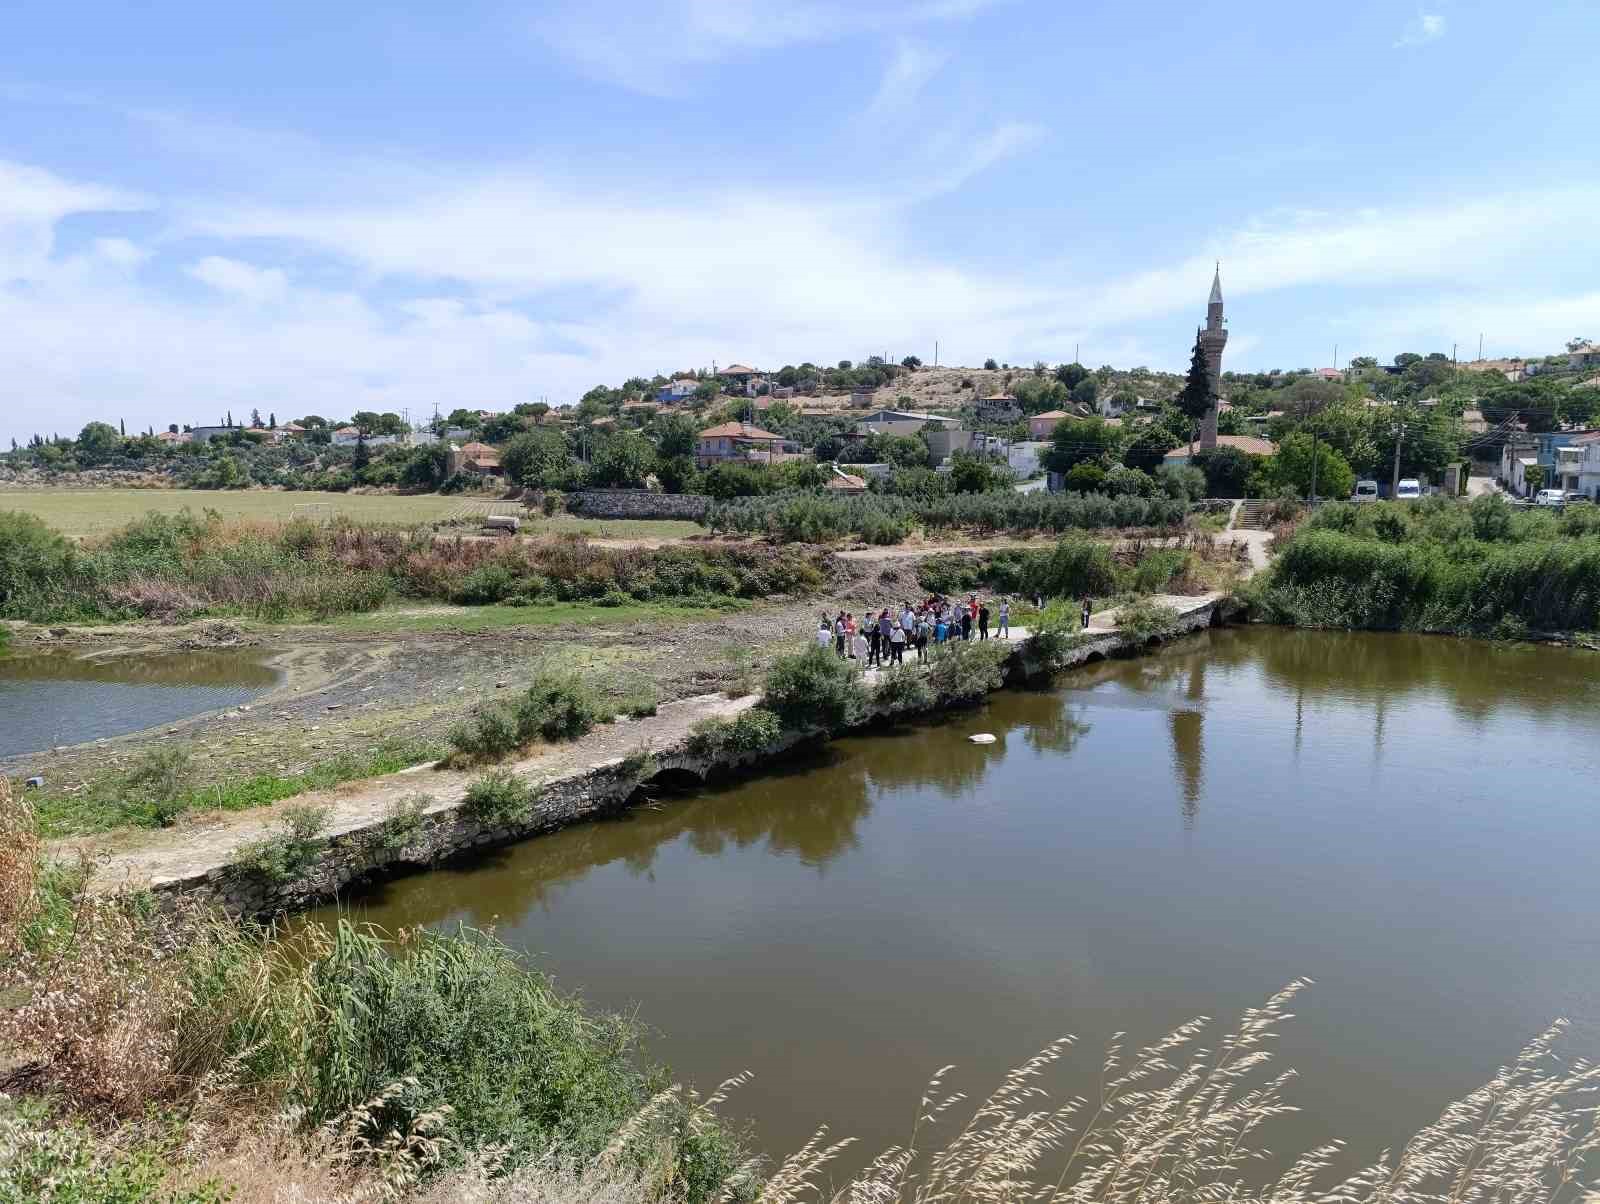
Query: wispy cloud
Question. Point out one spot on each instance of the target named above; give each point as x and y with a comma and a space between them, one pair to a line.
239, 279
910, 69
654, 46
1421, 29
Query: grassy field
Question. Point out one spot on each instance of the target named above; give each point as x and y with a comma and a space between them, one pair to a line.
87, 512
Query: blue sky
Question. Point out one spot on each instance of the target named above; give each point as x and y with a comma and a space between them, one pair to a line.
327, 207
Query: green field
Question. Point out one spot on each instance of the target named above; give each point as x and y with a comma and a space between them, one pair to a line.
88, 512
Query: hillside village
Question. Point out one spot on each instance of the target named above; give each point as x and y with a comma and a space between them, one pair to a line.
909, 428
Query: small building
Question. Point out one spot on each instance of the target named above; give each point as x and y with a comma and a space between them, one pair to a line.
474, 457
733, 441
1586, 356
1250, 445
998, 407
1026, 457
844, 482
901, 422
174, 436
1043, 426
678, 390
205, 434
1589, 469
1332, 374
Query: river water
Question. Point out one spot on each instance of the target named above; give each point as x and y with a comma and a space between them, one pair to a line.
1412, 821
55, 697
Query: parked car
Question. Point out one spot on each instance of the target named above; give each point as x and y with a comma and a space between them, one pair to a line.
1409, 487
1556, 498
1574, 496
1366, 491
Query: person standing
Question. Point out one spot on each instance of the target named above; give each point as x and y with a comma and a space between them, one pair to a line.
966, 623
824, 632
841, 630
983, 621
1005, 619
858, 649
870, 630
897, 644
1088, 609
922, 638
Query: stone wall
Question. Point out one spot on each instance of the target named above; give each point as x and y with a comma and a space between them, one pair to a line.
362, 851
637, 503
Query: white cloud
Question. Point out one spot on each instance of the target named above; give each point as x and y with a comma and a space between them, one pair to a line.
511, 285
653, 46
1421, 29
239, 279
32, 202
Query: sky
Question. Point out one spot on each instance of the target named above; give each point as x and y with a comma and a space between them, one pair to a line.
317, 208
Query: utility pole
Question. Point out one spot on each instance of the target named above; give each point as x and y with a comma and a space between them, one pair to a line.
1399, 438
1480, 345
1336, 357
935, 353
1453, 347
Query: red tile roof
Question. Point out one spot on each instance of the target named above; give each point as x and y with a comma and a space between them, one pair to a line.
739, 430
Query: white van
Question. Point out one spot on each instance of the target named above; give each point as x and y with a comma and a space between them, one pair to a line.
1550, 497
1366, 491
1409, 487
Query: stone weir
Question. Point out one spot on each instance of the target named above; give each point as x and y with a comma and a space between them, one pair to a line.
363, 842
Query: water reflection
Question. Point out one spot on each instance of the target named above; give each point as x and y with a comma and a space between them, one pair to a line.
903, 899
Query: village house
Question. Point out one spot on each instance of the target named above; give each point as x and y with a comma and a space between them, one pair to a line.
1589, 467
1043, 426
901, 422
1586, 356
474, 457
741, 379
1250, 445
734, 441
678, 390
998, 407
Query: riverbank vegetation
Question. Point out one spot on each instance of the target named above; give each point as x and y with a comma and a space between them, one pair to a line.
172, 567
1440, 565
1077, 566
877, 519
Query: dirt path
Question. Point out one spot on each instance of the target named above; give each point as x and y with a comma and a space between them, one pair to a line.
142, 858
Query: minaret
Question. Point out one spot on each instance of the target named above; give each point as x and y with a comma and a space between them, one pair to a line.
1212, 340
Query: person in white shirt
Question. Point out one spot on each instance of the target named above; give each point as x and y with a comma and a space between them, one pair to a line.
1004, 632
824, 634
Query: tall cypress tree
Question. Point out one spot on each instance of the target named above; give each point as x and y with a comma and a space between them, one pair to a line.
1195, 399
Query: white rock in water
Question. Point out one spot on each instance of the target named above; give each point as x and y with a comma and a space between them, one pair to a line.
981, 738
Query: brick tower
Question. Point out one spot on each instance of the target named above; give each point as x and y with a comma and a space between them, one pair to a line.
1212, 340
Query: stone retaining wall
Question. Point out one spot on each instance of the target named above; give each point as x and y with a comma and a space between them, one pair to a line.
359, 852
637, 503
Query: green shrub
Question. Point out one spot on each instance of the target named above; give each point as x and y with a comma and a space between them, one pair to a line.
42, 1162
749, 731
486, 584
902, 689
1156, 568
639, 703
160, 781
493, 732
814, 689
1077, 568
637, 765
558, 706
35, 562
288, 853
1143, 619
403, 823
964, 671
500, 798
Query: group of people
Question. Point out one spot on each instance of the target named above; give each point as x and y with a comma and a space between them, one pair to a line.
881, 638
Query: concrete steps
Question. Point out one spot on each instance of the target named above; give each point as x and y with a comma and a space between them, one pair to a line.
1250, 516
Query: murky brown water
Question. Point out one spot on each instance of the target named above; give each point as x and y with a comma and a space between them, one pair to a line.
1414, 822
50, 698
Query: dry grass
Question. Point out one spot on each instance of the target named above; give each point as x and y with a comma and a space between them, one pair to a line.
1174, 1122
19, 867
